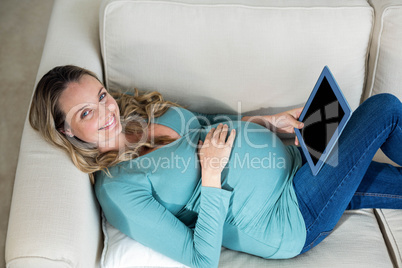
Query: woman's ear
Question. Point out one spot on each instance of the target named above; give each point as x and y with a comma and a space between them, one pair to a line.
67, 132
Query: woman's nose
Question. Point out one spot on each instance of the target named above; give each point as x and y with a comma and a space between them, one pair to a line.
111, 107
106, 109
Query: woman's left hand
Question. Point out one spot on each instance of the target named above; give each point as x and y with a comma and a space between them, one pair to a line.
284, 122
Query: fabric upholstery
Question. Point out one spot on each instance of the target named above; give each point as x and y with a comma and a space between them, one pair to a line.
390, 224
385, 73
54, 216
217, 52
355, 242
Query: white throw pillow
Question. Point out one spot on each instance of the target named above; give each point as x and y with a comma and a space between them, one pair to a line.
121, 251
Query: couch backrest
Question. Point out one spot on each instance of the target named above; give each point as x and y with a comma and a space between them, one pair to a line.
385, 61
246, 55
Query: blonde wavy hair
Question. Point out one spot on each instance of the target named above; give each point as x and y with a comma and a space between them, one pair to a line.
46, 116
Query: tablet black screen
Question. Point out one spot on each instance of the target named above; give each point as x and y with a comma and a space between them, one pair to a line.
321, 120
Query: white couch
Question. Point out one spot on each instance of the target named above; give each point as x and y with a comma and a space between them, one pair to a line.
251, 56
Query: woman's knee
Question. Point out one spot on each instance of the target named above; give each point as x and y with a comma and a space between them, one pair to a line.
381, 104
384, 100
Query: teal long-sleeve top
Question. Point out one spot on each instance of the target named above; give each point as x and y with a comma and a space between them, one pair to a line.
157, 199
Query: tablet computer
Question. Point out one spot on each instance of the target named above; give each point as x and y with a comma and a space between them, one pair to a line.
324, 116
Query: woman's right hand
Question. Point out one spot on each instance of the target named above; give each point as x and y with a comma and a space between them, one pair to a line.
214, 154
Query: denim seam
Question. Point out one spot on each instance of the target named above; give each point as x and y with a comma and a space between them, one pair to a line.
378, 195
311, 245
343, 181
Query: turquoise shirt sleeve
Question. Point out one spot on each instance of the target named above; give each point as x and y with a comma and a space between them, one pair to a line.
210, 119
135, 212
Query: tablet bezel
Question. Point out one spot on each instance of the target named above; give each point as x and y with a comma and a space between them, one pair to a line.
344, 105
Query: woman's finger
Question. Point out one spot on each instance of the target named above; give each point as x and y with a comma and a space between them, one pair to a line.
299, 110
210, 134
295, 123
224, 133
218, 131
231, 138
216, 139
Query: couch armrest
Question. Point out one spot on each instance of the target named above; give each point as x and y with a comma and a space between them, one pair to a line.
54, 217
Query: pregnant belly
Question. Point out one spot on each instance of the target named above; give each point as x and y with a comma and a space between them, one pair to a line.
257, 172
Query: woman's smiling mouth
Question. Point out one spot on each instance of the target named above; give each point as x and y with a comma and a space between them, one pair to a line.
110, 124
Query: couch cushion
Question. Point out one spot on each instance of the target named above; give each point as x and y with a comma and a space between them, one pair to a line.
122, 251
385, 61
385, 72
390, 223
235, 55
355, 242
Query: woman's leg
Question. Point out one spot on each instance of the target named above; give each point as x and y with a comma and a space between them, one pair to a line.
377, 123
377, 189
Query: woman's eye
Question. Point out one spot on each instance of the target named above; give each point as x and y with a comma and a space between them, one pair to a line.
102, 96
85, 113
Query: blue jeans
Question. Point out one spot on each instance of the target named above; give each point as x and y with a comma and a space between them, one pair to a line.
350, 179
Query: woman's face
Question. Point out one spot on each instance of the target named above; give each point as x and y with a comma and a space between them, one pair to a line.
92, 114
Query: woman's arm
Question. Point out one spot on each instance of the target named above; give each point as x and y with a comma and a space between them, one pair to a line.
284, 122
210, 119
133, 210
129, 205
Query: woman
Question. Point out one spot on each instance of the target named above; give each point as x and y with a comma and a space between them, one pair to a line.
185, 184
